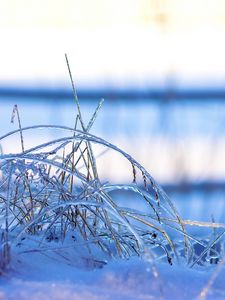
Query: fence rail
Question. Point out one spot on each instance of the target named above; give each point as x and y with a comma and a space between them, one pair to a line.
114, 94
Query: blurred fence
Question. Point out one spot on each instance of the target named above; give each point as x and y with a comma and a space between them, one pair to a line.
178, 135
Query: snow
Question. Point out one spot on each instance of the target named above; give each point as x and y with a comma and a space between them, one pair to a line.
38, 275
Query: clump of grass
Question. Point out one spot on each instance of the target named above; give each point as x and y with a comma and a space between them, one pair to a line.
53, 190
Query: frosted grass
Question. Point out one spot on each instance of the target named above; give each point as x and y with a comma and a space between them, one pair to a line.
53, 191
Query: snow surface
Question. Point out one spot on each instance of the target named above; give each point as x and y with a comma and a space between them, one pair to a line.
46, 276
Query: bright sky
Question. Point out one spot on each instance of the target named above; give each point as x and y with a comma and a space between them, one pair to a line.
112, 42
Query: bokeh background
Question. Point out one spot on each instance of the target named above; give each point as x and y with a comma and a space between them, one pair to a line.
159, 65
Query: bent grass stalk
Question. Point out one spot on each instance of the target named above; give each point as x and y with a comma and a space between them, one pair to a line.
37, 159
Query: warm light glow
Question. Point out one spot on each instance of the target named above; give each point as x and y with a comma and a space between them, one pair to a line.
113, 42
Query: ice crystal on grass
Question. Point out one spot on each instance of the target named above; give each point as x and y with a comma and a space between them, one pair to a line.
56, 185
